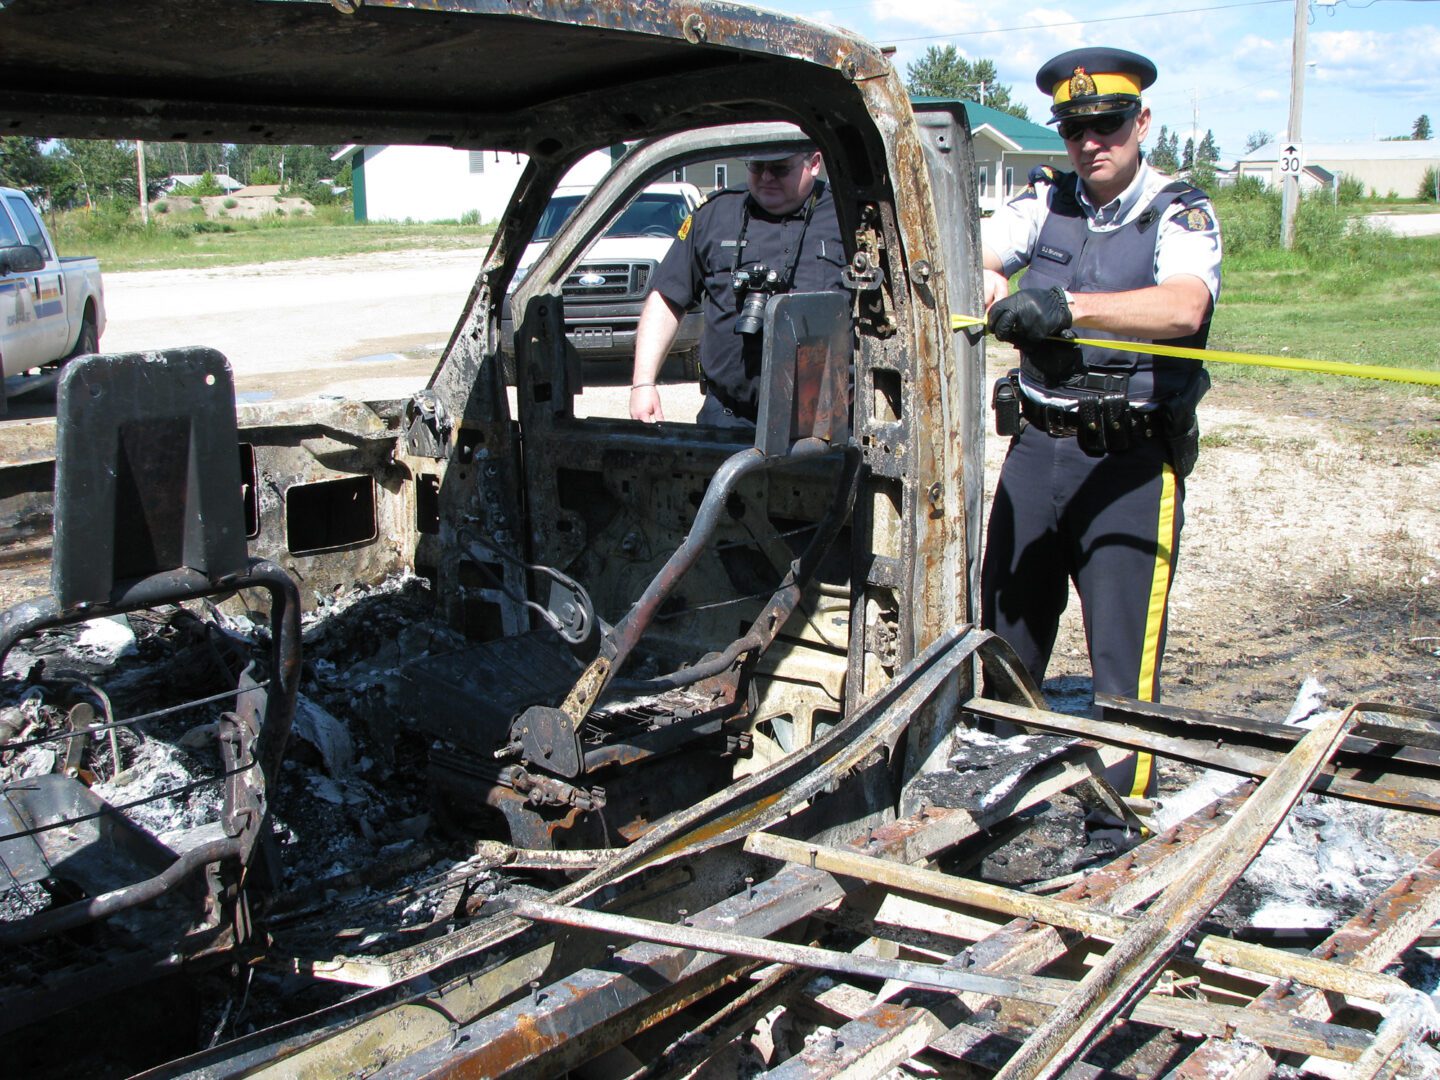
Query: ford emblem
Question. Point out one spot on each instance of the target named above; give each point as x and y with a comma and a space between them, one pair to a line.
592, 280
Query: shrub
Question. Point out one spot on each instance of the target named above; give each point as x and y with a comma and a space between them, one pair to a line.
1351, 189
279, 211
1429, 186
470, 218
162, 207
229, 204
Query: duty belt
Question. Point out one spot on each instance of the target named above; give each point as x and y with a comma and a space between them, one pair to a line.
1100, 422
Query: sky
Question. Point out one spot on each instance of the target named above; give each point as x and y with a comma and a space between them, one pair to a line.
1373, 66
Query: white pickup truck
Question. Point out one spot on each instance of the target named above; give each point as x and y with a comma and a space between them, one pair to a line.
605, 291
50, 308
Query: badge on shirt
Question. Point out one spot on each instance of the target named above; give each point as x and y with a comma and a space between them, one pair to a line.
1195, 220
685, 227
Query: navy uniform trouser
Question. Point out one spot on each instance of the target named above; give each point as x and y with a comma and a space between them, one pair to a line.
1112, 525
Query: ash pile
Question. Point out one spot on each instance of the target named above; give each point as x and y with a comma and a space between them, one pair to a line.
114, 727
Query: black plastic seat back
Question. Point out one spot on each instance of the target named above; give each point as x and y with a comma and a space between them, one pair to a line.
147, 472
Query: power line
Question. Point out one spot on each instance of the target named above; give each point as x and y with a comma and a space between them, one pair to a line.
1085, 22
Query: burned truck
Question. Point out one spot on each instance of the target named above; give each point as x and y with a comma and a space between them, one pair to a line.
469, 734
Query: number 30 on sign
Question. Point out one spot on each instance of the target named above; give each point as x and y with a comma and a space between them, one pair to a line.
1290, 160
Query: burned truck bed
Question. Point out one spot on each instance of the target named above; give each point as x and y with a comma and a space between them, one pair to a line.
463, 735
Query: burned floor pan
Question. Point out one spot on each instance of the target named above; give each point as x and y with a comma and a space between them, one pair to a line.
848, 956
383, 931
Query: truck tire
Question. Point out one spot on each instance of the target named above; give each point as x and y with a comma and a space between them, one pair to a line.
88, 340
689, 365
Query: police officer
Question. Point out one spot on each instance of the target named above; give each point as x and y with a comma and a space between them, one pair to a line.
778, 234
1092, 489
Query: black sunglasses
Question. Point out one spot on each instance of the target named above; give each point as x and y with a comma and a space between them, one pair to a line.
1073, 129
778, 169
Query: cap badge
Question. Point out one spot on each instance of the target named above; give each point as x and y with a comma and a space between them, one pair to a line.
1081, 85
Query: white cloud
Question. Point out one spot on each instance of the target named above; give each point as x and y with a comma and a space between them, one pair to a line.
1372, 61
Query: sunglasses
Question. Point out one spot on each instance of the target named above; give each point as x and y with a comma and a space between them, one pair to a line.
1070, 130
778, 169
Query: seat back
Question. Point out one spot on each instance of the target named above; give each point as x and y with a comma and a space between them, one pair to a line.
132, 431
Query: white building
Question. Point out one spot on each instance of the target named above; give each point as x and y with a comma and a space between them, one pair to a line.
439, 183
226, 182
1381, 167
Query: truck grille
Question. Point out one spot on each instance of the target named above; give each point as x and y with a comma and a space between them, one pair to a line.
618, 280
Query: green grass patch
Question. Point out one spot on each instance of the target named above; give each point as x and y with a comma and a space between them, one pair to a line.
1345, 293
183, 238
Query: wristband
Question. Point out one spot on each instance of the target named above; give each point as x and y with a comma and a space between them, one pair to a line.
640, 385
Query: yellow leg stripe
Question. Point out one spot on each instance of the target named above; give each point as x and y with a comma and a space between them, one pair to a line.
1155, 617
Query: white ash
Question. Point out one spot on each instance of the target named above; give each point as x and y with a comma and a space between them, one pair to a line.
329, 606
1325, 861
106, 640
156, 767
315, 724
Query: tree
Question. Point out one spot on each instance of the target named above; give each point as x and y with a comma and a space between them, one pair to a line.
1208, 152
25, 165
1421, 130
945, 73
96, 170
1188, 161
1256, 139
1163, 156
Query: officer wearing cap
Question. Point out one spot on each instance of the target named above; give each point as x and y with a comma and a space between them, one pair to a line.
777, 234
1092, 489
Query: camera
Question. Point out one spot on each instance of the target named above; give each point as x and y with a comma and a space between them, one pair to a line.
754, 285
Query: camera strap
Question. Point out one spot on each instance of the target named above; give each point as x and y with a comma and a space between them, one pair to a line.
789, 277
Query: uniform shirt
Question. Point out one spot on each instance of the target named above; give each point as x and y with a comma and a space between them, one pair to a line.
1186, 244
701, 263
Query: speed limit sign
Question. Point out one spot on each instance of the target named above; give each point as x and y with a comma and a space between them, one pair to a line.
1290, 160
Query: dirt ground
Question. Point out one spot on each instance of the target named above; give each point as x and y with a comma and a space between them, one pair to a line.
1311, 548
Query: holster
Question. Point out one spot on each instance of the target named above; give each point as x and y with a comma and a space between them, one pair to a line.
1103, 424
1181, 424
1005, 400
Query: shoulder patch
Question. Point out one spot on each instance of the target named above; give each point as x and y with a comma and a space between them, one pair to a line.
684, 229
1194, 220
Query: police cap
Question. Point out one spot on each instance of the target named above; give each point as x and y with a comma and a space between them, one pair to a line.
1094, 82
779, 155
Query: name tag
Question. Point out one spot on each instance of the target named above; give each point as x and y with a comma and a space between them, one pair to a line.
1055, 254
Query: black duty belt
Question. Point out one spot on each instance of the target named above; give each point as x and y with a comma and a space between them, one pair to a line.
1101, 423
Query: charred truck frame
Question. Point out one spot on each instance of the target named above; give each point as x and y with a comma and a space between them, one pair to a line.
672, 653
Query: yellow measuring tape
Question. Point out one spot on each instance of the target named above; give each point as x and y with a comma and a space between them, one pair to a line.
1289, 363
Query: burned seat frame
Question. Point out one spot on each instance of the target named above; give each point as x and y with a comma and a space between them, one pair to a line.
148, 512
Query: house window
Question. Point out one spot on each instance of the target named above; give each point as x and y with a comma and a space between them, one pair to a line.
722, 176
1009, 181
477, 161
984, 181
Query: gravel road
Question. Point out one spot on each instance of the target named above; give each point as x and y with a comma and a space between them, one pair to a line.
370, 327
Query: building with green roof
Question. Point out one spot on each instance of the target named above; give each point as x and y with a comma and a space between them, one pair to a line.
1006, 149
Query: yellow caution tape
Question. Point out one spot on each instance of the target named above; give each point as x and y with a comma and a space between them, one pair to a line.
1288, 363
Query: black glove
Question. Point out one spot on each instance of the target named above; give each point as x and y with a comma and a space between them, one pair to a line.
1026, 318
1029, 315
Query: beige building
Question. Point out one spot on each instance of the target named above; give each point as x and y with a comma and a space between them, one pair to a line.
1382, 167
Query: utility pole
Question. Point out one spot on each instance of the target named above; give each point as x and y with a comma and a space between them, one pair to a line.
144, 195
1291, 158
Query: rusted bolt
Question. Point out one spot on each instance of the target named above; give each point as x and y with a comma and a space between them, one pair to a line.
937, 496
536, 996
814, 855
694, 29
684, 914
922, 270
346, 7
749, 888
